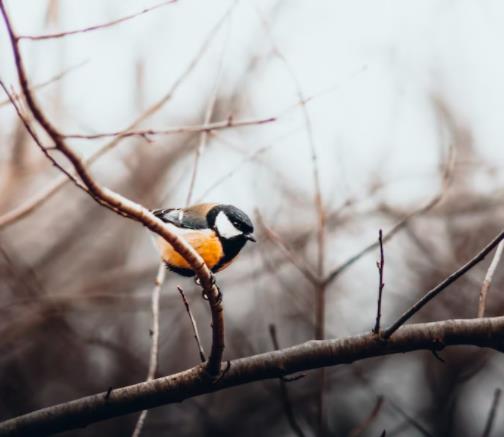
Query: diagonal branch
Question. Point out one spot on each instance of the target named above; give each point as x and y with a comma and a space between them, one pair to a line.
443, 284
487, 332
95, 27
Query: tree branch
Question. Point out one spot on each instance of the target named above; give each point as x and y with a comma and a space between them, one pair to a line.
443, 284
129, 208
97, 26
485, 332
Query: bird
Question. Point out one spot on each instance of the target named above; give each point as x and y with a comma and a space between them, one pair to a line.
217, 232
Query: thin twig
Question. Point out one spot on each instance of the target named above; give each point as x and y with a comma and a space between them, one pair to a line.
193, 324
48, 192
492, 413
380, 264
443, 285
154, 351
95, 27
284, 394
204, 128
488, 279
361, 427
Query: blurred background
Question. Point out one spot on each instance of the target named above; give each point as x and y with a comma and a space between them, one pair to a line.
393, 109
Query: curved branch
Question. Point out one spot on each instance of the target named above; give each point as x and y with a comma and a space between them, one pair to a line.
126, 207
486, 332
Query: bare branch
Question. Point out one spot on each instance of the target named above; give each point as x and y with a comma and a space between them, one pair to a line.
229, 123
193, 324
488, 279
95, 27
154, 352
380, 264
443, 284
486, 332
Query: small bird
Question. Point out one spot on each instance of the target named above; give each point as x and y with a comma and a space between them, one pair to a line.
217, 232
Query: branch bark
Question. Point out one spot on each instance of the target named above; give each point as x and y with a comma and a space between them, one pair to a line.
485, 332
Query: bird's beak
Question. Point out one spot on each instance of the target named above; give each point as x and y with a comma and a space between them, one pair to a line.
250, 237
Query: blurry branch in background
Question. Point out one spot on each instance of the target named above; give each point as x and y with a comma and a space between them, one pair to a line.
492, 413
486, 332
443, 285
154, 333
359, 429
380, 265
40, 198
297, 262
284, 394
488, 279
194, 326
250, 157
95, 27
51, 80
37, 140
446, 178
207, 118
319, 206
124, 206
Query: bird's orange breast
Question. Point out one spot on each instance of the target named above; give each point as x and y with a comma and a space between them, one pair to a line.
205, 242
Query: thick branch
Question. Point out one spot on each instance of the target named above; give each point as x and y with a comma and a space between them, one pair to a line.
486, 332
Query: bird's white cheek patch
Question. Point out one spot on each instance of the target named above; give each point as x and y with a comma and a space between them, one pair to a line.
225, 228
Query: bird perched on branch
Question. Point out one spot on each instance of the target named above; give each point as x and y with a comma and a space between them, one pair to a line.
217, 232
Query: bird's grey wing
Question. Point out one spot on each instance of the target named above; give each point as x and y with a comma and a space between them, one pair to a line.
182, 218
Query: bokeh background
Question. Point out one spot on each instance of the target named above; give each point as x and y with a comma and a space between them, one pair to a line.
402, 103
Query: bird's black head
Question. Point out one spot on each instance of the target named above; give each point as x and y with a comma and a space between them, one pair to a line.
230, 222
